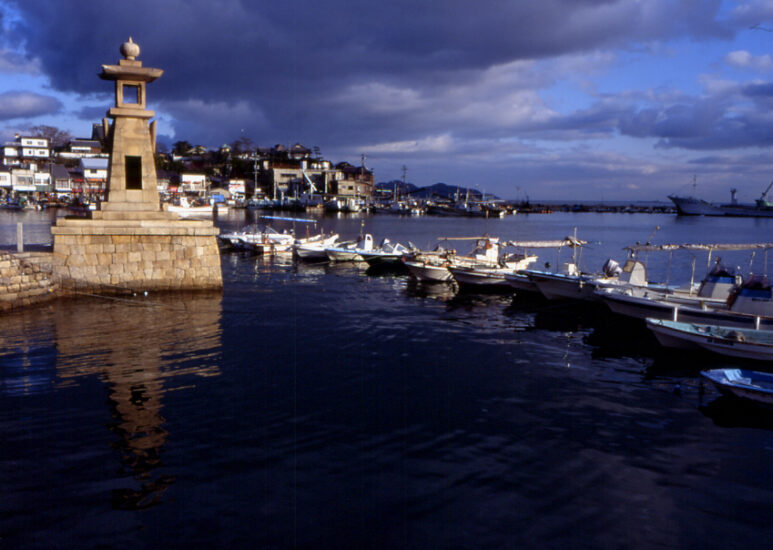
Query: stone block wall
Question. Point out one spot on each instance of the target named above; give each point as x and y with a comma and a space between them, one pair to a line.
137, 262
23, 282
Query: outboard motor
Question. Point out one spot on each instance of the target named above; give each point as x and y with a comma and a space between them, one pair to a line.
611, 268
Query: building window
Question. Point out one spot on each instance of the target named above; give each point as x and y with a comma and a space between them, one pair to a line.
133, 172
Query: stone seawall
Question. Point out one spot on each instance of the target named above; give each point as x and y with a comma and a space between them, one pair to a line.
24, 281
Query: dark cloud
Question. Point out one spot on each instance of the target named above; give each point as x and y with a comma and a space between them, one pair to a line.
15, 105
284, 61
446, 85
92, 113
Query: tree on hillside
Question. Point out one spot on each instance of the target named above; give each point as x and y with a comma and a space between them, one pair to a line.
242, 145
56, 137
181, 148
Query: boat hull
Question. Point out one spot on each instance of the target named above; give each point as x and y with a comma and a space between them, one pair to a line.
560, 287
342, 255
480, 278
643, 308
728, 341
521, 282
429, 273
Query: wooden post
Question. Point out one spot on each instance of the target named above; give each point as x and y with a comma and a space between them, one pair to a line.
20, 237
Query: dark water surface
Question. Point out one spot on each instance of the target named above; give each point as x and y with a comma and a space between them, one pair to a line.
328, 407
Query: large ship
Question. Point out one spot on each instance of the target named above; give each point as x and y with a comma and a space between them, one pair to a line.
693, 206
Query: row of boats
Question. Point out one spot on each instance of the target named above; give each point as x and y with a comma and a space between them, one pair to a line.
413, 207
723, 313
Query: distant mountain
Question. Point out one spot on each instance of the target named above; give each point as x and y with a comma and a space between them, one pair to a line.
437, 191
388, 187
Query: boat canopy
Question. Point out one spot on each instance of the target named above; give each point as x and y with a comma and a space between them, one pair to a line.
697, 246
305, 220
568, 241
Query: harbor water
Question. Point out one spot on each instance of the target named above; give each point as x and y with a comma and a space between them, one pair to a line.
327, 406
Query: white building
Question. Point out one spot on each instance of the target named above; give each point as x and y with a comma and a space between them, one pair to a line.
23, 180
94, 172
5, 180
26, 150
62, 181
193, 183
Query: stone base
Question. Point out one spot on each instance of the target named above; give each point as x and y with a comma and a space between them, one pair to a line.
119, 255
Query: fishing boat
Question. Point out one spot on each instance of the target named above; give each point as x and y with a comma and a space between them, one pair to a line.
235, 239
519, 279
742, 343
312, 249
269, 241
747, 384
569, 282
749, 306
428, 268
385, 254
480, 276
343, 204
350, 252
187, 210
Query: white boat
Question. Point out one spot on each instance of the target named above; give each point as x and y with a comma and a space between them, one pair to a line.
430, 269
186, 210
245, 237
269, 241
343, 204
746, 384
352, 252
385, 254
313, 248
482, 276
570, 282
742, 343
749, 306
492, 275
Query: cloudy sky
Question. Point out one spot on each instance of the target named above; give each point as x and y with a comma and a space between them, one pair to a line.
555, 99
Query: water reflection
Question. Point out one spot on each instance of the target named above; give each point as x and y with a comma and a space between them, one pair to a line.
440, 291
732, 412
141, 349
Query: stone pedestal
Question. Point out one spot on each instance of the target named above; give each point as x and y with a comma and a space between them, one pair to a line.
118, 255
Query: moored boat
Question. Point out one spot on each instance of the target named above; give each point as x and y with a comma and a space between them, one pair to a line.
385, 254
430, 269
748, 306
742, 343
187, 210
747, 384
493, 277
313, 248
351, 252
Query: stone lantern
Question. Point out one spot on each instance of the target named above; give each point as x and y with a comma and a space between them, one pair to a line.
132, 173
131, 243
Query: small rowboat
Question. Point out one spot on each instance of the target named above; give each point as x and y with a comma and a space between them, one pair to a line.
747, 384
